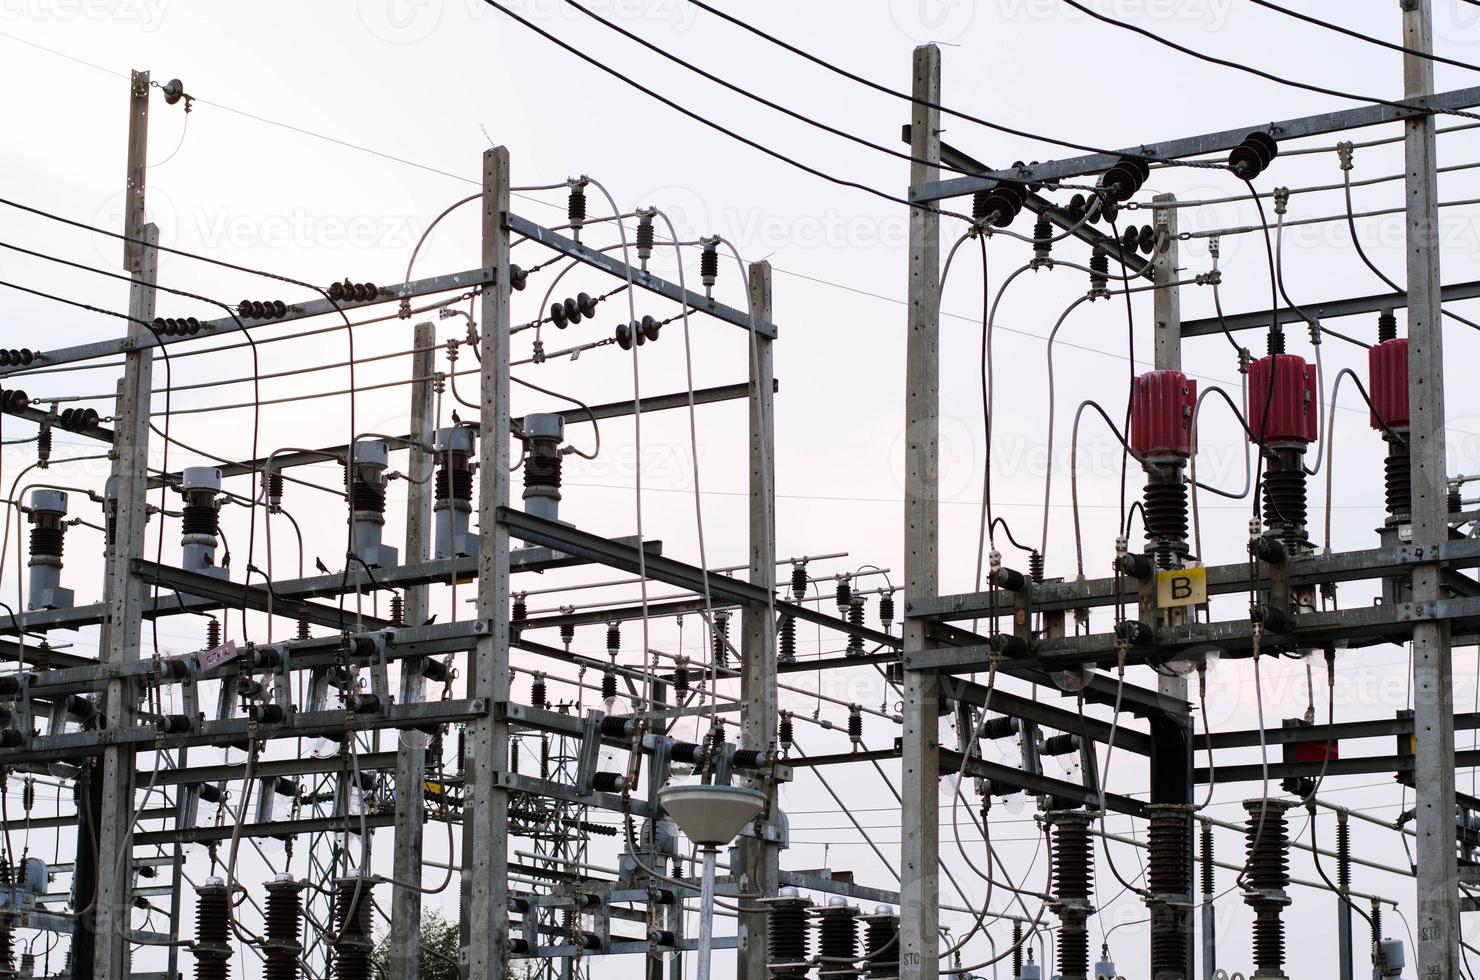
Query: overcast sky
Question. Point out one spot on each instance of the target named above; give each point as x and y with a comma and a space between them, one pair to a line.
325, 137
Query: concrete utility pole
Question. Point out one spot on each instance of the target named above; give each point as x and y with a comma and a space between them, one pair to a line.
1167, 297
411, 749
1433, 687
759, 858
1171, 738
119, 642
487, 859
919, 890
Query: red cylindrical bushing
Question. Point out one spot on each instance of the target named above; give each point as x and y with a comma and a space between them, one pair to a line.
1287, 410
1161, 414
1387, 381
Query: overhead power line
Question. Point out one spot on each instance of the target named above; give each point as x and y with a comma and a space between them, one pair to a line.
740, 90
697, 117
250, 115
959, 114
1364, 37
1259, 72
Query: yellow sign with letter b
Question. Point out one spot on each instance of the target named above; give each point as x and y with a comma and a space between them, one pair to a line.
1181, 587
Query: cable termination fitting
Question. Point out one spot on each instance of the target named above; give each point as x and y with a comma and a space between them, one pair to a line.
1387, 382
1169, 881
645, 235
844, 594
575, 208
1042, 240
799, 581
353, 943
855, 619
788, 936
1073, 879
881, 943
721, 637
1208, 869
886, 606
212, 931
709, 264
837, 928
282, 944
786, 640
1267, 878
1343, 853
1099, 272
1161, 436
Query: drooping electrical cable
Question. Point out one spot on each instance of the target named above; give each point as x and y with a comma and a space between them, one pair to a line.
1052, 402
1279, 271
1391, 46
996, 521
992, 856
167, 414
704, 120
1267, 76
168, 391
1362, 254
158, 756
1331, 421
161, 344
747, 93
986, 526
999, 127
1193, 483
1036, 921
1125, 455
325, 294
944, 866
688, 360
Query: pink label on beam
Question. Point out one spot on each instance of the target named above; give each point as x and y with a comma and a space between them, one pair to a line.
216, 656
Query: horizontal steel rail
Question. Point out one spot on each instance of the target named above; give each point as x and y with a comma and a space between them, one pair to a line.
1321, 124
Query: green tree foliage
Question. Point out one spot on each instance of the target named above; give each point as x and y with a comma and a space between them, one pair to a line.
439, 944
